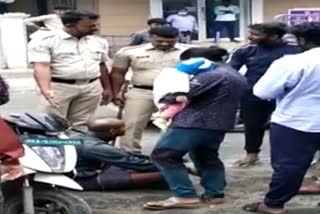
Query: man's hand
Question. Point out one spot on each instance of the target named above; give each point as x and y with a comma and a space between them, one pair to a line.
117, 131
107, 97
11, 172
50, 97
119, 100
182, 99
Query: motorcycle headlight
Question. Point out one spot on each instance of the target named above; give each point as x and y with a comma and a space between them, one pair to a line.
53, 156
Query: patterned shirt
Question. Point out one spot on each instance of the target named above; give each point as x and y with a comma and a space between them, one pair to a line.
215, 98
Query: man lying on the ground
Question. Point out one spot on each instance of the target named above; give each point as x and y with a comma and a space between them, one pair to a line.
103, 167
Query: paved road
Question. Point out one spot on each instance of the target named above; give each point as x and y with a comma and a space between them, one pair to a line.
243, 185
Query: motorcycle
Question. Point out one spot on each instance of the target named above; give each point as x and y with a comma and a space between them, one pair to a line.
49, 162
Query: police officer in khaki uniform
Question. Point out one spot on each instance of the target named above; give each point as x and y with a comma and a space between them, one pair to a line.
68, 65
146, 61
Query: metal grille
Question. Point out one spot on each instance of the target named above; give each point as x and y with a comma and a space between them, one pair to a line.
69, 3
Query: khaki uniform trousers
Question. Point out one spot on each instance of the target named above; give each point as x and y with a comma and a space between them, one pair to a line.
138, 109
77, 102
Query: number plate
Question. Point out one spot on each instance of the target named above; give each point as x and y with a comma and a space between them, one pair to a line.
50, 142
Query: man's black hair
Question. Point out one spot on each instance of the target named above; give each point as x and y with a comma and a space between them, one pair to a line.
213, 53
271, 28
159, 21
72, 17
165, 31
309, 31
61, 7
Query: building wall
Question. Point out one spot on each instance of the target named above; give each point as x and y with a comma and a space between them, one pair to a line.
276, 7
123, 17
90, 5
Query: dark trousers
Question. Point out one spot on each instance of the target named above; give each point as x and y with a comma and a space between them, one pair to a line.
3, 8
256, 114
185, 37
292, 152
230, 27
202, 146
94, 152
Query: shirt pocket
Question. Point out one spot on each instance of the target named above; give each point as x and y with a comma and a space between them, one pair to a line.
97, 54
65, 55
170, 63
144, 63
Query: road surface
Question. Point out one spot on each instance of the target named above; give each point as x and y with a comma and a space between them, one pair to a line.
243, 185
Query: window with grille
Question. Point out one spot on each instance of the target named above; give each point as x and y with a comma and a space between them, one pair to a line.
69, 3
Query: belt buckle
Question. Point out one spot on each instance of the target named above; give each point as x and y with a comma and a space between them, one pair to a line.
81, 82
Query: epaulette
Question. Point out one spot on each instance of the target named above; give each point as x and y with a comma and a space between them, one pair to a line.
44, 36
128, 48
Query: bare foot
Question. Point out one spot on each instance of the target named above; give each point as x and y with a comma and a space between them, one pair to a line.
313, 189
249, 161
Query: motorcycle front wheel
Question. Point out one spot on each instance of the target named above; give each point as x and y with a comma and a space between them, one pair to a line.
50, 202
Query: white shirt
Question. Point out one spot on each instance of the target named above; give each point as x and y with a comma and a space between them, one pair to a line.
170, 81
294, 81
51, 21
226, 17
183, 23
70, 57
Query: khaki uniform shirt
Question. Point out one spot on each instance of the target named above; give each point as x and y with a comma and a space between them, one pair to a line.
70, 57
147, 62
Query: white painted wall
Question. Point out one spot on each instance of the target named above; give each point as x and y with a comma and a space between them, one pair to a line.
89, 5
14, 40
257, 11
156, 8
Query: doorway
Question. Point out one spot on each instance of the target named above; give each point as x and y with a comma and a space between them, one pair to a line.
171, 7
203, 10
211, 17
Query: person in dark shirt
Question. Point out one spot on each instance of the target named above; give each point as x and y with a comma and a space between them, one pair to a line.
143, 37
266, 46
199, 129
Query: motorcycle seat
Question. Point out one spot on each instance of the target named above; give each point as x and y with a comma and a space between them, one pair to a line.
48, 123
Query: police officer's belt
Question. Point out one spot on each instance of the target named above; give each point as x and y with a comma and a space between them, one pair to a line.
146, 87
70, 81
